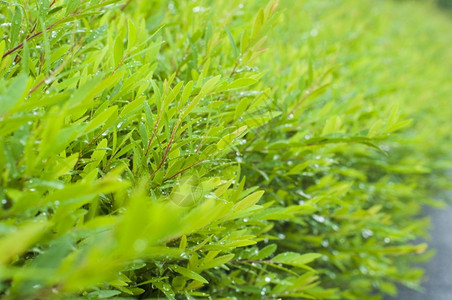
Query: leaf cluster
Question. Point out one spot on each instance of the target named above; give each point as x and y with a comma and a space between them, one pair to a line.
218, 149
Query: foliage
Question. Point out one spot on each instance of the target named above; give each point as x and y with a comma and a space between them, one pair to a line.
221, 149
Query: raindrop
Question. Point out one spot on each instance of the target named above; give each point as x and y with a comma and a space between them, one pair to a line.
314, 32
210, 196
363, 269
318, 218
267, 279
325, 243
198, 9
366, 233
49, 80
281, 236
303, 194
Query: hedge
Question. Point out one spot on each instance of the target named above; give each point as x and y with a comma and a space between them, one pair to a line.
220, 149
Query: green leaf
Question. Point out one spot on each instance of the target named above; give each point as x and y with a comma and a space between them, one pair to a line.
118, 50
265, 252
20, 240
296, 259
44, 9
104, 294
248, 201
15, 26
209, 85
216, 262
132, 35
189, 273
101, 118
241, 82
14, 93
227, 140
258, 22
232, 41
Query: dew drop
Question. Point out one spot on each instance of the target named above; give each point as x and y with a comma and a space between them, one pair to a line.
363, 269
366, 233
318, 218
198, 9
49, 80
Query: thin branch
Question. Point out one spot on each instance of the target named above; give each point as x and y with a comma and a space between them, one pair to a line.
31, 37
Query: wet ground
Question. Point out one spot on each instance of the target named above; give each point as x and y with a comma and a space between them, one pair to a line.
438, 284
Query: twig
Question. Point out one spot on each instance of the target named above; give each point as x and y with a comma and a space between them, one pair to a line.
31, 37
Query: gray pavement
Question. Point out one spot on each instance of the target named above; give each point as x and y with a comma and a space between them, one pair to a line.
438, 281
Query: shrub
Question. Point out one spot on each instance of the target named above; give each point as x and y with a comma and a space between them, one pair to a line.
187, 149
